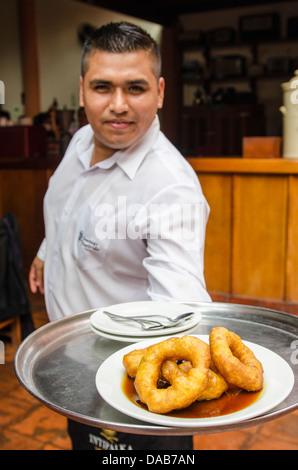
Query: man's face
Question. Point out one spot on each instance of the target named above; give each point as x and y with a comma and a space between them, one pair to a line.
121, 96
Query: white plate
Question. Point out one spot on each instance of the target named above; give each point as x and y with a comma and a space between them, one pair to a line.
134, 339
131, 329
278, 383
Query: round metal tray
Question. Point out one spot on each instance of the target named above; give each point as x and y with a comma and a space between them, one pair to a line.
57, 364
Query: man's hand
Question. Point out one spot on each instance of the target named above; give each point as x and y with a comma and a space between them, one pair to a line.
36, 276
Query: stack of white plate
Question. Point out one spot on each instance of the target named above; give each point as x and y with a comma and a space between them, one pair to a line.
131, 332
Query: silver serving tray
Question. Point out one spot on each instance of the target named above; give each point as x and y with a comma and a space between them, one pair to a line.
57, 364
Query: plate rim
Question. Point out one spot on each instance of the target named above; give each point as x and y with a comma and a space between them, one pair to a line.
189, 323
136, 339
168, 421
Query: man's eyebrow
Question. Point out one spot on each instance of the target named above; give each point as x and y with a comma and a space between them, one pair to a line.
138, 81
96, 81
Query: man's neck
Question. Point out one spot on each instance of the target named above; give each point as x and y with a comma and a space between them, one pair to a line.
99, 154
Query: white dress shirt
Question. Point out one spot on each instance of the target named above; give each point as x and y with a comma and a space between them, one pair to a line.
129, 228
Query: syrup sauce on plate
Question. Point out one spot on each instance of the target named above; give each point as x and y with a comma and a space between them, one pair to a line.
234, 399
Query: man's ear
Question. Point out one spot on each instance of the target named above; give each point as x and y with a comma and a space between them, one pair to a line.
81, 91
161, 92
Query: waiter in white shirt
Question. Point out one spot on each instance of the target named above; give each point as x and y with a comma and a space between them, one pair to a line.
124, 213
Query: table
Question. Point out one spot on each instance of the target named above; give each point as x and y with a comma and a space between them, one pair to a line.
57, 364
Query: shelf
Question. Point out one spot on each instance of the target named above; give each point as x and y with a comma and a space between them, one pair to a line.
236, 44
242, 78
208, 78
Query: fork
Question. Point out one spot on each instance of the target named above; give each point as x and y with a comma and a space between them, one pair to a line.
146, 321
145, 324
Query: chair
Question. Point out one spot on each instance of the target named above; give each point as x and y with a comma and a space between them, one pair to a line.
15, 308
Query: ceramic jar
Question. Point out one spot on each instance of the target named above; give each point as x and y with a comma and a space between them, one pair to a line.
289, 110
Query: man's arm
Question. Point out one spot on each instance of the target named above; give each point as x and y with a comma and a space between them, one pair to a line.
175, 242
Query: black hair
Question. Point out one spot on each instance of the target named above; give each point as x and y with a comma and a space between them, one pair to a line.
118, 38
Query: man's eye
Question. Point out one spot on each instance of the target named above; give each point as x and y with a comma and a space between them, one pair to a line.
102, 88
136, 89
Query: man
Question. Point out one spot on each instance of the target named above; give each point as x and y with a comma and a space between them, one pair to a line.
124, 213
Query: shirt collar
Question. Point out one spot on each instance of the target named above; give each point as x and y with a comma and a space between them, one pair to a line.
84, 145
129, 160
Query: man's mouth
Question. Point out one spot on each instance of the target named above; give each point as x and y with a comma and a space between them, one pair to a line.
119, 124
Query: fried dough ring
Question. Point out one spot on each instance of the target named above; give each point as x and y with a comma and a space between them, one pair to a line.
184, 389
235, 361
131, 361
216, 386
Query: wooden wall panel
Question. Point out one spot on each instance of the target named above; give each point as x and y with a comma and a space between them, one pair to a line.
22, 192
217, 189
259, 236
292, 251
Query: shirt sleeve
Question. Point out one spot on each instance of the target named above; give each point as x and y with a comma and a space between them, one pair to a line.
42, 250
174, 226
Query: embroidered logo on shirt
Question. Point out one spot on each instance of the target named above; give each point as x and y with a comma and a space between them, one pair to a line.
87, 243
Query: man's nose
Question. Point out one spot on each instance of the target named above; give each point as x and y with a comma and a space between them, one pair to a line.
118, 103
